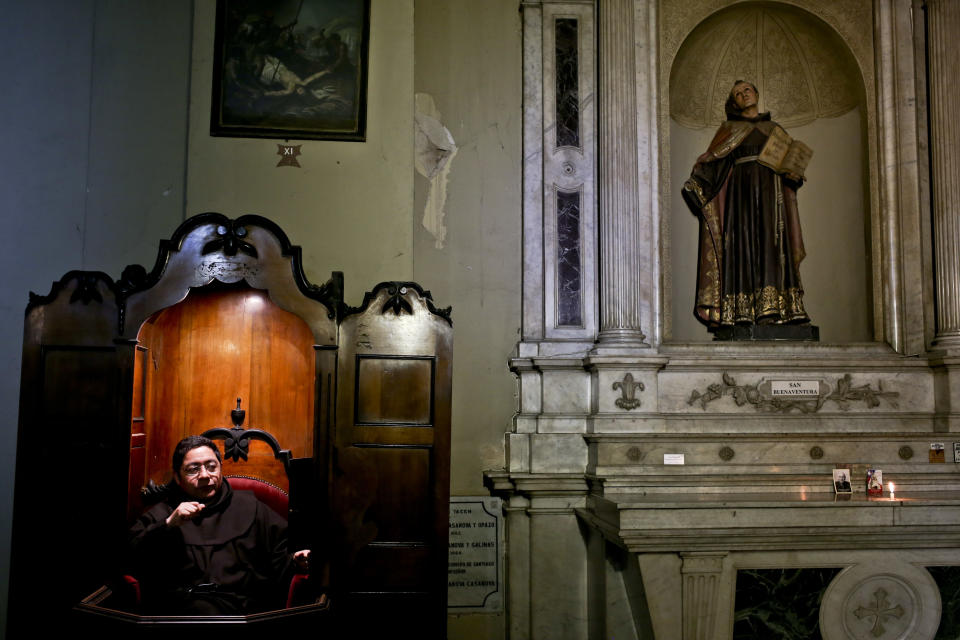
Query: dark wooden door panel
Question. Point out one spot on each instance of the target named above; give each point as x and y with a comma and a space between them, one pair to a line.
397, 568
395, 390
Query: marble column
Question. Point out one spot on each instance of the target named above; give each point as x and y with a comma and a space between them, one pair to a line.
943, 56
618, 177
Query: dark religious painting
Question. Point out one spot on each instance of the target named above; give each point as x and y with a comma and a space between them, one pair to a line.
291, 69
569, 282
568, 95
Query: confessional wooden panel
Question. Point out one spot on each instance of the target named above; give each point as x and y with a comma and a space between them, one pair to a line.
74, 426
392, 444
115, 372
220, 344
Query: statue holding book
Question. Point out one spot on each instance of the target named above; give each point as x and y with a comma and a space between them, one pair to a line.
744, 191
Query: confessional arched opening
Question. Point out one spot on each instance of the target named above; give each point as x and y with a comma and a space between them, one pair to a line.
196, 359
116, 372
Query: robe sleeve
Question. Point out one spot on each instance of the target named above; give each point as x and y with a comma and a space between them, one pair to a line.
275, 563
705, 182
149, 539
703, 193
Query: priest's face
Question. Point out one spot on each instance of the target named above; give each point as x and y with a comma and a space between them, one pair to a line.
200, 474
744, 95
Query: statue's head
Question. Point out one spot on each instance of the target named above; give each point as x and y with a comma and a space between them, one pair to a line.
743, 95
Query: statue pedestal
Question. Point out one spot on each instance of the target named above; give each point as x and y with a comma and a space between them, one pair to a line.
803, 332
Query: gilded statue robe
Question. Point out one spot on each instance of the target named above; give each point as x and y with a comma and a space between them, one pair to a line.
750, 241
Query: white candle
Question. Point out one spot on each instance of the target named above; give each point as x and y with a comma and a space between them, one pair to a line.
890, 484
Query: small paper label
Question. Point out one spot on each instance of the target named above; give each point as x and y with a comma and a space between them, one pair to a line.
794, 388
956, 451
673, 458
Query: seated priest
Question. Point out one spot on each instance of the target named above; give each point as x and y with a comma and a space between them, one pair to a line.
209, 550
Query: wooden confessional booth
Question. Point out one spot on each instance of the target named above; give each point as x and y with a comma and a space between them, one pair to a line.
356, 398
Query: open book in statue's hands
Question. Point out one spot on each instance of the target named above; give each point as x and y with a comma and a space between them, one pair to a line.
783, 154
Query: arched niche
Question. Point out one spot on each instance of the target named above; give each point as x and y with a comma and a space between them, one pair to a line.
196, 358
812, 82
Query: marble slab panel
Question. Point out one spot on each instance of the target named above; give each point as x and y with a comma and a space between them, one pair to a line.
727, 450
561, 424
843, 392
761, 517
566, 391
557, 453
758, 423
517, 452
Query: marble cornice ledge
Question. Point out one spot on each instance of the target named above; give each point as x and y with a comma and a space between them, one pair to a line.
504, 483
556, 362
766, 523
553, 348
940, 357
864, 356
779, 348
647, 360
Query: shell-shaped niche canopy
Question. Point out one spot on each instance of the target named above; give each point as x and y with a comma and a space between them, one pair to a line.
800, 66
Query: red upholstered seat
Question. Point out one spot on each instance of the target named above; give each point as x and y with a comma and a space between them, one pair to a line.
269, 494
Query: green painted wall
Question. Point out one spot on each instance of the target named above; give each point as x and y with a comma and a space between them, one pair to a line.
350, 204
107, 116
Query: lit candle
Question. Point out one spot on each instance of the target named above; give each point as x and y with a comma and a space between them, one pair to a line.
890, 484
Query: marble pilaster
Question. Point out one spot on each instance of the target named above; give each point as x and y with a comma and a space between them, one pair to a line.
702, 573
618, 185
943, 55
900, 273
518, 566
558, 572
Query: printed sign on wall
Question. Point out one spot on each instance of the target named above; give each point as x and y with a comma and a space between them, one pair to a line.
475, 565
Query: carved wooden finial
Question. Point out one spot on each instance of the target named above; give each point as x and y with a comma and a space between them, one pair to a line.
237, 415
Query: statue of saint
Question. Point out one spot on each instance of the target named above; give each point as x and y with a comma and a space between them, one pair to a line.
744, 191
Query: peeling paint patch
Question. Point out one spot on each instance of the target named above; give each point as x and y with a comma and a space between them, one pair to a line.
434, 152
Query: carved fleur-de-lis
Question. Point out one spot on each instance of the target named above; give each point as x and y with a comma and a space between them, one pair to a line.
229, 240
628, 391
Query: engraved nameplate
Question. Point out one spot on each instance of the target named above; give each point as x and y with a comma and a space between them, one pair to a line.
794, 388
673, 458
474, 567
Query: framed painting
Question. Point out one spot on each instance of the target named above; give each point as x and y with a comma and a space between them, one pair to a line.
291, 69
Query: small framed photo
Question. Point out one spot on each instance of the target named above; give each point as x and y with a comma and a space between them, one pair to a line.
874, 482
956, 451
841, 481
936, 452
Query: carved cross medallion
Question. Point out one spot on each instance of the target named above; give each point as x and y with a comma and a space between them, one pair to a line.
880, 611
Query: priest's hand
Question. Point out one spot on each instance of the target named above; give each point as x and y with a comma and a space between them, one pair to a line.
185, 511
302, 559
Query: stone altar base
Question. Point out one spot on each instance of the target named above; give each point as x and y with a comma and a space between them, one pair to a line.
637, 485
